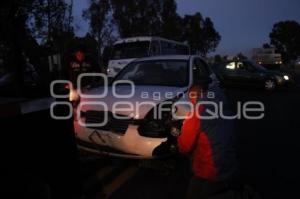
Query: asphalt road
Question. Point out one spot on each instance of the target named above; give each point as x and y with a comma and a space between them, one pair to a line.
39, 157
268, 149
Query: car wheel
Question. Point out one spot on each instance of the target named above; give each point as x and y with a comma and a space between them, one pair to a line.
270, 85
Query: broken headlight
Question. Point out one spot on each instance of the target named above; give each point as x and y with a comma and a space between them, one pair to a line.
159, 122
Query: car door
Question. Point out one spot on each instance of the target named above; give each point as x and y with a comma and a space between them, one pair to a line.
234, 73
201, 73
254, 76
242, 75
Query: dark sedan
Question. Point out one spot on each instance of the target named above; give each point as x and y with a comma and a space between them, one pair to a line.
247, 73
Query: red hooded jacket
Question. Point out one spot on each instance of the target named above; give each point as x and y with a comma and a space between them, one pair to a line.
193, 140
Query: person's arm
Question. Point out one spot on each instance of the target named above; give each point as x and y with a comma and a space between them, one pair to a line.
188, 137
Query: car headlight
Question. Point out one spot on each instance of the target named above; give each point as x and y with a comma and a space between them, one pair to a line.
285, 77
153, 126
159, 123
175, 131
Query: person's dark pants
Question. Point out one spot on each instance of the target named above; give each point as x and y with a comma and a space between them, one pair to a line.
200, 188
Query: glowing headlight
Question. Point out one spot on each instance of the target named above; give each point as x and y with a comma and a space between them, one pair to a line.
286, 77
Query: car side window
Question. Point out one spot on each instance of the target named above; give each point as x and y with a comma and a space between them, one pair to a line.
200, 70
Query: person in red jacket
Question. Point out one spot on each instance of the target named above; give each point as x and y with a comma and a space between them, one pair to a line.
211, 147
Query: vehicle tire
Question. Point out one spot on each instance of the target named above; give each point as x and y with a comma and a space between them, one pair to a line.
270, 85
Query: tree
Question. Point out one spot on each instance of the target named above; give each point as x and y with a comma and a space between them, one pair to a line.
266, 45
159, 18
211, 37
200, 34
137, 17
192, 31
171, 22
51, 23
285, 37
218, 59
50, 18
101, 24
153, 17
241, 56
13, 33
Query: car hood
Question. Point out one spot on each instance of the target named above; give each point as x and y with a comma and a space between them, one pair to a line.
144, 98
275, 73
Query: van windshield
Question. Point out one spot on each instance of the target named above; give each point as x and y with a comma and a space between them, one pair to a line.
256, 66
131, 50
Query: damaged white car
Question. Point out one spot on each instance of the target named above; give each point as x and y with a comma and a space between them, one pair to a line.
139, 114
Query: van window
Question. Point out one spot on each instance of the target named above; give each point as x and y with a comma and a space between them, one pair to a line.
182, 50
200, 70
167, 48
173, 49
131, 50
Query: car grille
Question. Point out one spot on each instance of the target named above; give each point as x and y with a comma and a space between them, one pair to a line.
117, 125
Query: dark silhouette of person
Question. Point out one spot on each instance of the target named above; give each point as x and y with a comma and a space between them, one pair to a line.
213, 155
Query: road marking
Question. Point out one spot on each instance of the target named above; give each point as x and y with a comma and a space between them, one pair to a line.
121, 179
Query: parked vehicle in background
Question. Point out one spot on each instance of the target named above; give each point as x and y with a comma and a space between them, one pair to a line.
128, 49
247, 73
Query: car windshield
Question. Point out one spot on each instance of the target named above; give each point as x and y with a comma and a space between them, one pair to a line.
172, 73
131, 50
256, 66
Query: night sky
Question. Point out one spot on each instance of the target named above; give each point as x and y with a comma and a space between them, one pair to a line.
243, 24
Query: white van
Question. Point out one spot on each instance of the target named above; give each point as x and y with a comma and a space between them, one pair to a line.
128, 49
